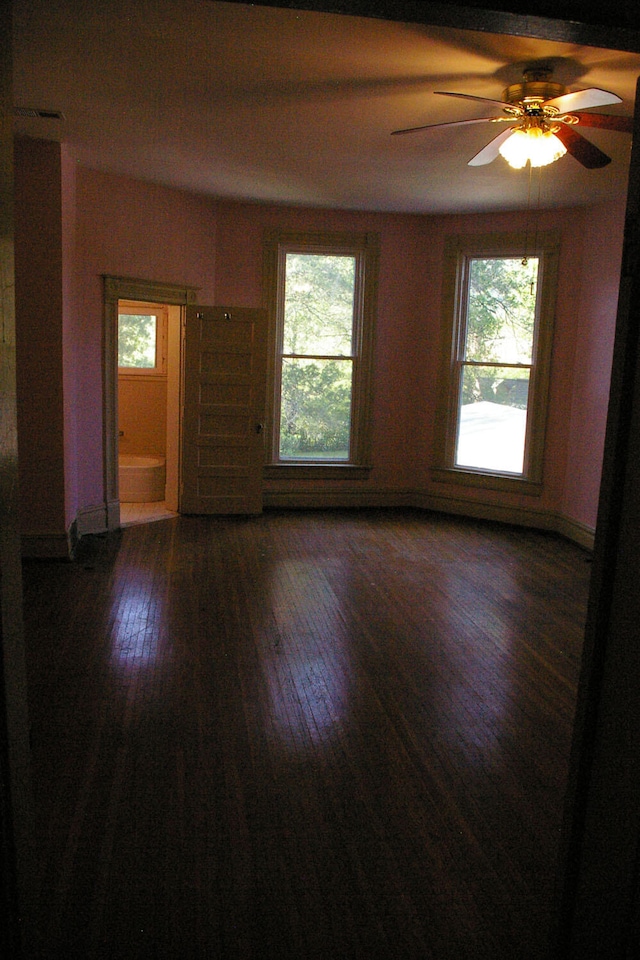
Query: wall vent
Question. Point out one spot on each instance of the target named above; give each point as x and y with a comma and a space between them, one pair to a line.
27, 113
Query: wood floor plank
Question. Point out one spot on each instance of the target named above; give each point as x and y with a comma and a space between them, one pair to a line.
303, 735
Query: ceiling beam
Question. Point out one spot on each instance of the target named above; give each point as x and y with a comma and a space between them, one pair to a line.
616, 27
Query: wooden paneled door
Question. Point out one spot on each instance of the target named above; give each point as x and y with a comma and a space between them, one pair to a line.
224, 408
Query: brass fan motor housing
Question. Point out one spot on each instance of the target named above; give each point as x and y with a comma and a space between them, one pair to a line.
532, 91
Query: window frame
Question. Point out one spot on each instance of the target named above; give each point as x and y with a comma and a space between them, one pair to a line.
459, 251
159, 371
365, 249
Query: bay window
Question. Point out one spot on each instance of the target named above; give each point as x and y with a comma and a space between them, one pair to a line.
498, 300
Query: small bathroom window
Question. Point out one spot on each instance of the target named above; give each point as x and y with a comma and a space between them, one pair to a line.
142, 337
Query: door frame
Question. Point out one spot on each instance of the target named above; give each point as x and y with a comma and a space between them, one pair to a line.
116, 289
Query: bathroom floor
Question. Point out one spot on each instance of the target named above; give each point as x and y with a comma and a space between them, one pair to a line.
131, 513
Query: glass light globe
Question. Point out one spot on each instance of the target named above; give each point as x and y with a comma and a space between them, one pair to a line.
539, 147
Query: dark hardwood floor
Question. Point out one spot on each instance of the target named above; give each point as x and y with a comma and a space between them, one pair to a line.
303, 735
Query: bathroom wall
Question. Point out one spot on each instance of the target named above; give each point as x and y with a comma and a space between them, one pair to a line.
142, 414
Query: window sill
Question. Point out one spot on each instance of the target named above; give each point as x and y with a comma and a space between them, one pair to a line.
126, 373
316, 471
486, 481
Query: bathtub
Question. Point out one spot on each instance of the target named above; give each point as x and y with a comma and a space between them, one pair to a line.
141, 479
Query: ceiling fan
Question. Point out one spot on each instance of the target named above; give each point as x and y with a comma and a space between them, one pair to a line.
542, 118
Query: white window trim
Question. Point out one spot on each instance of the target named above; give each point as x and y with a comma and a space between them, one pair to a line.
365, 248
160, 312
457, 251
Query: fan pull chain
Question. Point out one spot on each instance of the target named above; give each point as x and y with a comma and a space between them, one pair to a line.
525, 258
525, 255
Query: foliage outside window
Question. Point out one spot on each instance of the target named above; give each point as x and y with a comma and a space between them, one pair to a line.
495, 367
321, 296
141, 339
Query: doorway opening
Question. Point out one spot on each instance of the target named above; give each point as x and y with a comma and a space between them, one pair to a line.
145, 379
148, 410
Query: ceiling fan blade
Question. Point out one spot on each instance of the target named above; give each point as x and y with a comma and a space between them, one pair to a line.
451, 123
582, 99
469, 96
605, 121
490, 152
581, 149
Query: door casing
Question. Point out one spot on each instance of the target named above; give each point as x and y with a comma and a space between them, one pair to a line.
115, 289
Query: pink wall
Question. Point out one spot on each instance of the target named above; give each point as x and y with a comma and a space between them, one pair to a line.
40, 304
128, 228
69, 335
602, 258
408, 336
402, 286
142, 415
569, 224
590, 259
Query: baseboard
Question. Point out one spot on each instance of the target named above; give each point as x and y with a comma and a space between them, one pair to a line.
62, 546
579, 533
99, 519
104, 517
572, 530
113, 514
73, 539
48, 546
481, 510
336, 499
92, 520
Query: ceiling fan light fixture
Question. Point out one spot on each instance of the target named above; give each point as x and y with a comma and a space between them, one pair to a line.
534, 145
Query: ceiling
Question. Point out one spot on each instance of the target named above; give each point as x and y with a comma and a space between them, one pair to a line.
296, 106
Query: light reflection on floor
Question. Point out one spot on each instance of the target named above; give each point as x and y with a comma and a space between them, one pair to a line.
137, 619
473, 711
309, 691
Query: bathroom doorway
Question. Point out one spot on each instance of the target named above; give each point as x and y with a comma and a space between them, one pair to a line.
148, 410
149, 392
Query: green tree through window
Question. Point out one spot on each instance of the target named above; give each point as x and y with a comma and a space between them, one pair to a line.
496, 363
317, 356
498, 311
141, 338
137, 340
320, 291
501, 313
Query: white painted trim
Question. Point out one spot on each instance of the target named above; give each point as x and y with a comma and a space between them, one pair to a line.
92, 520
113, 515
115, 289
174, 379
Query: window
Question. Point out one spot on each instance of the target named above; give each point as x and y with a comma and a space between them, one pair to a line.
498, 306
321, 297
141, 339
